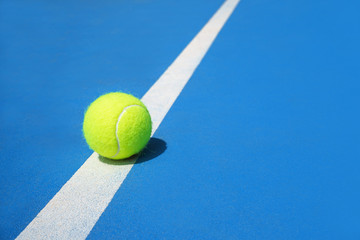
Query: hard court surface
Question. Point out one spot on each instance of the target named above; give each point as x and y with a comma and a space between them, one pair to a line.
263, 142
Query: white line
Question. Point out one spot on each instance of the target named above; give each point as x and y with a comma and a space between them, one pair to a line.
76, 208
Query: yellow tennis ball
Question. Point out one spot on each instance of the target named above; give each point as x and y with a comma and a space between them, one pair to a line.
117, 125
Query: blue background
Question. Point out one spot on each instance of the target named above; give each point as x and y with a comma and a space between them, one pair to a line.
263, 142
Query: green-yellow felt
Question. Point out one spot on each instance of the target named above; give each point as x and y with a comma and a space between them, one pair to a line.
117, 125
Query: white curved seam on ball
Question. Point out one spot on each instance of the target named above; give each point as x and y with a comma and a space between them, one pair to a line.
117, 125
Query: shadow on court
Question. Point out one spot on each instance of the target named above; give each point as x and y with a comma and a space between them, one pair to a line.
154, 148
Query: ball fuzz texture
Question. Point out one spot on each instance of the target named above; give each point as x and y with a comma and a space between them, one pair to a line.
117, 125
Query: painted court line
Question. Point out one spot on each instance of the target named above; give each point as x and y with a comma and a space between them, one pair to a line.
75, 209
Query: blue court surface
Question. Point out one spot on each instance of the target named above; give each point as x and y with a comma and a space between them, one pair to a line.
263, 142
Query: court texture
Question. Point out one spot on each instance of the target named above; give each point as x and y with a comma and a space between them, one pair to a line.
255, 111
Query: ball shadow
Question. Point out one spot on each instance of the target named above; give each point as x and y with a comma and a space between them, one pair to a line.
154, 148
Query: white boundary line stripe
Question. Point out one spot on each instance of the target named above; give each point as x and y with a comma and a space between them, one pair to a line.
160, 96
75, 209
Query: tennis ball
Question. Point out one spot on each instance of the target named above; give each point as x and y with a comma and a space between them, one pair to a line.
117, 125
